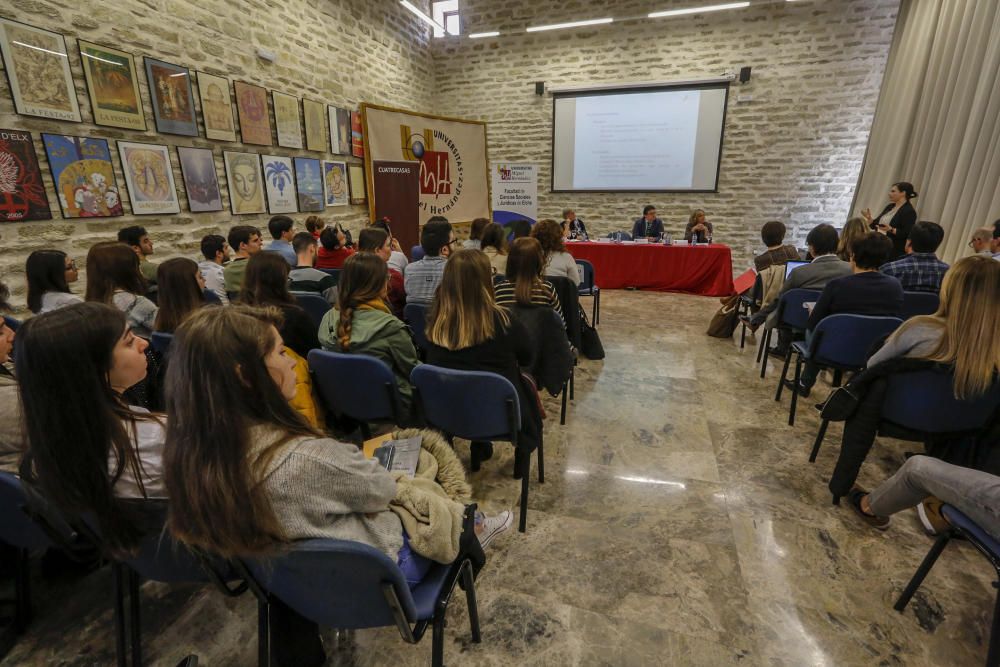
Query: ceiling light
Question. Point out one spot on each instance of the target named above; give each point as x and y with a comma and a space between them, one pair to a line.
477, 35
698, 10
574, 24
423, 17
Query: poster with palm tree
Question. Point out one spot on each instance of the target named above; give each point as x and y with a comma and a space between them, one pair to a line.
279, 181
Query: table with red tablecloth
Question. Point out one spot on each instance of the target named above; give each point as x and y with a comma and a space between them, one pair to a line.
702, 269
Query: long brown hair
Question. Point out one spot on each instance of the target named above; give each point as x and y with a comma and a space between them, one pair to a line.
969, 320
854, 229
178, 294
494, 236
550, 235
266, 281
363, 279
112, 266
463, 313
218, 387
525, 263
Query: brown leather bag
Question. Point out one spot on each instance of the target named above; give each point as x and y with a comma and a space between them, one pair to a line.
724, 321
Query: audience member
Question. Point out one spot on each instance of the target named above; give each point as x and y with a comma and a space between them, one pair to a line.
494, 244
215, 250
920, 270
113, 278
363, 323
397, 260
315, 226
48, 274
138, 240
558, 262
773, 235
854, 229
245, 242
11, 440
421, 278
523, 282
995, 243
304, 278
282, 229
333, 249
648, 226
181, 292
897, 218
698, 228
476, 233
577, 230
467, 330
372, 239
519, 228
981, 241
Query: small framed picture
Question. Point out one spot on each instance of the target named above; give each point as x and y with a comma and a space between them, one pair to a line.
24, 195
255, 121
357, 183
286, 120
309, 184
335, 188
201, 182
171, 97
113, 86
149, 178
37, 68
279, 181
216, 107
84, 176
246, 185
315, 125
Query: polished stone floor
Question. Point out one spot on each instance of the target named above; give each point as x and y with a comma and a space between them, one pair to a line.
680, 524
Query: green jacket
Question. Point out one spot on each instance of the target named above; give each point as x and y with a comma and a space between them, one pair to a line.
377, 334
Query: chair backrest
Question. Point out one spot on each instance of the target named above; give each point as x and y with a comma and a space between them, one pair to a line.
847, 340
332, 272
160, 340
17, 528
11, 322
620, 236
474, 405
211, 298
919, 303
417, 253
356, 385
314, 305
925, 401
791, 312
415, 315
586, 274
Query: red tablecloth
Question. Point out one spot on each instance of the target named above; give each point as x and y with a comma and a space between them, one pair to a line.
704, 269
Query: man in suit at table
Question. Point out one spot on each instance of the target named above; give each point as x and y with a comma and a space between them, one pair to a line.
648, 226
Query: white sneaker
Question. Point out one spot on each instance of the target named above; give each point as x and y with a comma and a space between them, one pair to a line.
494, 525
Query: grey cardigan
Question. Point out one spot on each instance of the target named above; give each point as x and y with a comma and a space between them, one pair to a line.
11, 442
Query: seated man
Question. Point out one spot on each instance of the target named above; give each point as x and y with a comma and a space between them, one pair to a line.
577, 230
245, 242
282, 230
136, 238
982, 240
305, 278
772, 234
421, 278
648, 226
920, 270
215, 249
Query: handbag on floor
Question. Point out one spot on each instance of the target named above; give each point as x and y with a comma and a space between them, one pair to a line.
590, 341
724, 321
840, 405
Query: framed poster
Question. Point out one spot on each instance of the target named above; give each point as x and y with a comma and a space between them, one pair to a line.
251, 105
22, 193
357, 183
357, 138
246, 185
334, 137
216, 107
315, 125
200, 180
113, 86
344, 130
84, 176
286, 120
279, 183
149, 178
37, 68
309, 184
171, 97
335, 190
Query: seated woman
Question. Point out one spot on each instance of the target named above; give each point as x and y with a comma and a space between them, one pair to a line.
523, 282
494, 244
333, 250
854, 229
181, 292
278, 480
315, 226
88, 448
558, 262
962, 333
467, 330
476, 234
698, 228
397, 260
48, 274
113, 277
373, 239
363, 324
773, 234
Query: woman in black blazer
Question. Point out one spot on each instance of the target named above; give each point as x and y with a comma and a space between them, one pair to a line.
897, 219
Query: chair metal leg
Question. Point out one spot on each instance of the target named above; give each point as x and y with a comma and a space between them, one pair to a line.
22, 592
597, 308
121, 652
470, 597
743, 335
525, 472
760, 346
921, 573
263, 634
795, 392
541, 462
135, 622
572, 382
765, 348
819, 440
562, 413
784, 374
437, 641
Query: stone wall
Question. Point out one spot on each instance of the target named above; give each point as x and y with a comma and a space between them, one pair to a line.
340, 52
793, 153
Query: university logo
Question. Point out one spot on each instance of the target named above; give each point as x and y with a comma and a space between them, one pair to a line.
440, 170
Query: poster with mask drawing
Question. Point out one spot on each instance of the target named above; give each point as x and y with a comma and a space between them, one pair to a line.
279, 184
246, 184
200, 179
84, 176
149, 178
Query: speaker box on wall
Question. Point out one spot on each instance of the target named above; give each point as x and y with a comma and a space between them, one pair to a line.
539, 88
744, 74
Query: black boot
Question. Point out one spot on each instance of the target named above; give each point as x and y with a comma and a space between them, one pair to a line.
479, 451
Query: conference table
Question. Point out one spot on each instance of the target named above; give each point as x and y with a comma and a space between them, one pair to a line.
703, 269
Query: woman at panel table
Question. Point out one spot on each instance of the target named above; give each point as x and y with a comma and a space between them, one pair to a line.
897, 218
697, 225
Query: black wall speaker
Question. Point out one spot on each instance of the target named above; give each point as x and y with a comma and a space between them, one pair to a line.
539, 88
744, 74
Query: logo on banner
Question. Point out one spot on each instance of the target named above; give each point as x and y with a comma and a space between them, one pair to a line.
440, 171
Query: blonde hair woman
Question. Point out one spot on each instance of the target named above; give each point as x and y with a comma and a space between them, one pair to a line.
854, 229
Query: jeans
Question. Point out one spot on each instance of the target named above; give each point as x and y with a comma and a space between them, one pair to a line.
413, 565
975, 493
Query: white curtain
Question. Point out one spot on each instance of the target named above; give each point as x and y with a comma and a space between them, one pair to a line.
937, 124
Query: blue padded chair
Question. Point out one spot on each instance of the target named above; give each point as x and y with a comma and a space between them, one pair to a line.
919, 303
350, 585
417, 253
620, 236
962, 526
474, 405
160, 341
588, 287
314, 305
211, 298
357, 386
11, 322
790, 314
840, 342
415, 315
332, 272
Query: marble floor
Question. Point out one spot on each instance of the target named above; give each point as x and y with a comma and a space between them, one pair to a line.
680, 524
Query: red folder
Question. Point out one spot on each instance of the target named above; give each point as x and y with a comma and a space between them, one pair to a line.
745, 281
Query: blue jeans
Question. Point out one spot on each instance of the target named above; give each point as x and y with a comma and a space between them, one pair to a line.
413, 565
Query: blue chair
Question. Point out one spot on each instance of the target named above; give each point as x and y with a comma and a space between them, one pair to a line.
314, 305
11, 322
160, 341
211, 298
791, 315
962, 526
589, 288
357, 386
620, 236
415, 315
332, 272
841, 342
350, 585
474, 405
919, 303
417, 253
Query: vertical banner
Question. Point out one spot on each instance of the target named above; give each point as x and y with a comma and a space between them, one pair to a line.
515, 192
396, 193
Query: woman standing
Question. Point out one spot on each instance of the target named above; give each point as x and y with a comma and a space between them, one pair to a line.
48, 273
897, 218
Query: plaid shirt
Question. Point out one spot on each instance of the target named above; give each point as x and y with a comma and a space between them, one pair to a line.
918, 272
421, 279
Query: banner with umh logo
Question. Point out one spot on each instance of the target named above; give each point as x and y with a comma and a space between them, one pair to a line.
515, 192
451, 154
